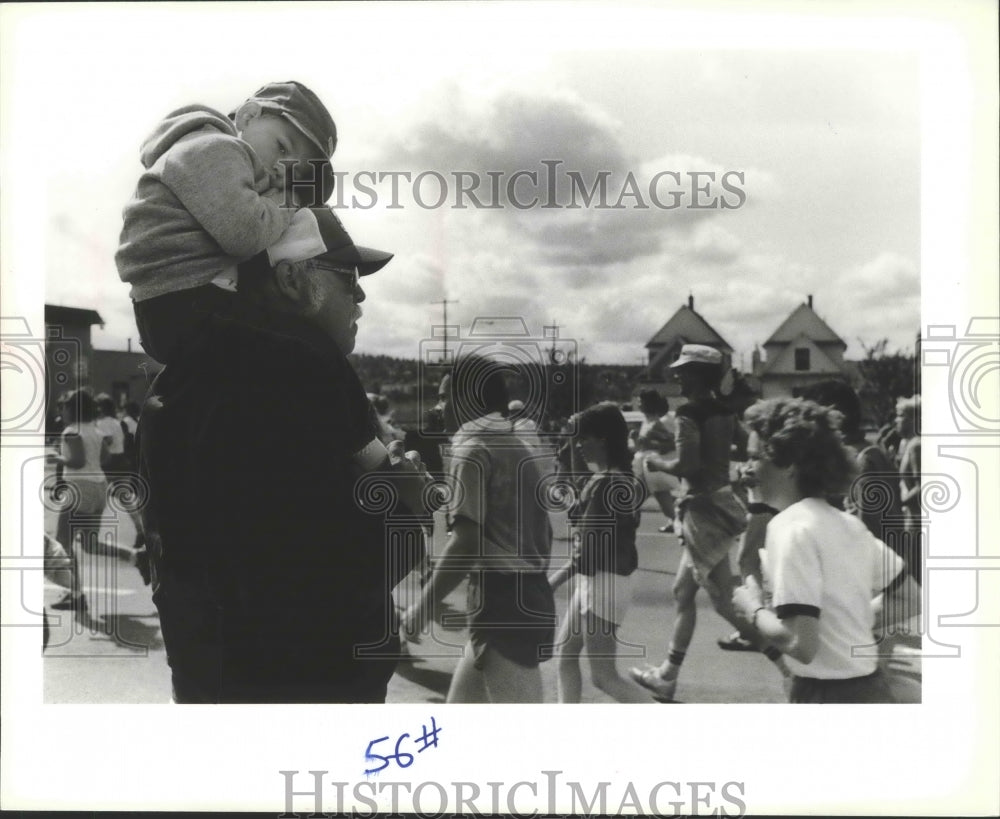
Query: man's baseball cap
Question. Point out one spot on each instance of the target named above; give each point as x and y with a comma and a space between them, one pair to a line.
300, 106
316, 233
698, 354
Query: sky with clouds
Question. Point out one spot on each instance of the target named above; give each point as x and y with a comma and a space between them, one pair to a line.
825, 140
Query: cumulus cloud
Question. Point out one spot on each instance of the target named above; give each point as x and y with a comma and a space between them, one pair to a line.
878, 299
591, 200
508, 130
541, 261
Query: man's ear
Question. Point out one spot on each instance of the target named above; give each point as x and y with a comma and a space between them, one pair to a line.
292, 284
246, 112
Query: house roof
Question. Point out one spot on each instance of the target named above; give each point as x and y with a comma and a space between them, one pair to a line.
57, 314
804, 321
688, 324
784, 362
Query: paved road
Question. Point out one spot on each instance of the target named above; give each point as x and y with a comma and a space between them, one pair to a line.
114, 654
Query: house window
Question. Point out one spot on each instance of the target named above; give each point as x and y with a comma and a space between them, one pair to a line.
801, 358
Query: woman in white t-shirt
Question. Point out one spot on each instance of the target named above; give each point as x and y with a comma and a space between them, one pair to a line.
81, 451
822, 568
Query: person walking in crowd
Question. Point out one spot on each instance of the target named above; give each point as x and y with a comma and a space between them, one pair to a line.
710, 514
873, 495
654, 437
83, 448
272, 579
111, 428
130, 426
119, 466
888, 439
500, 538
130, 423
821, 567
426, 441
54, 425
604, 520
524, 424
522, 421
908, 428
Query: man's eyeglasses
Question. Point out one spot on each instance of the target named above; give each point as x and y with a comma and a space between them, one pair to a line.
352, 276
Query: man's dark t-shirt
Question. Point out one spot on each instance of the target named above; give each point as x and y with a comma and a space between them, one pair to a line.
268, 576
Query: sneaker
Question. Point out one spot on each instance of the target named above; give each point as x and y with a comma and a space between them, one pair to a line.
661, 689
667, 528
735, 643
69, 602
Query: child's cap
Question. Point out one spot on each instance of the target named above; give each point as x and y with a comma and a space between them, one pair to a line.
316, 233
303, 109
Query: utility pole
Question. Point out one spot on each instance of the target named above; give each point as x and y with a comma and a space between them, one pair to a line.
444, 303
555, 335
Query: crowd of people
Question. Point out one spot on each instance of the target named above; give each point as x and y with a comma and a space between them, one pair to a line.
95, 446
274, 547
824, 560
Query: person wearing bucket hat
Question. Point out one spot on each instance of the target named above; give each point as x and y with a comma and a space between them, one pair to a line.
709, 512
700, 354
272, 583
215, 190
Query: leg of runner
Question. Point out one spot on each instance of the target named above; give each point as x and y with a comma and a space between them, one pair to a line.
720, 590
467, 683
506, 681
662, 680
602, 648
569, 645
665, 499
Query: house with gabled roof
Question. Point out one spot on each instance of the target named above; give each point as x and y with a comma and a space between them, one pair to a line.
686, 326
802, 351
72, 362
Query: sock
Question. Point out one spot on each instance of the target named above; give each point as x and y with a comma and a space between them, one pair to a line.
674, 660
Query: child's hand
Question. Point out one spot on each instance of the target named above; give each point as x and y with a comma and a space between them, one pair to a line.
277, 195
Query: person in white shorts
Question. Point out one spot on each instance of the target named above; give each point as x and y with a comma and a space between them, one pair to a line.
604, 521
